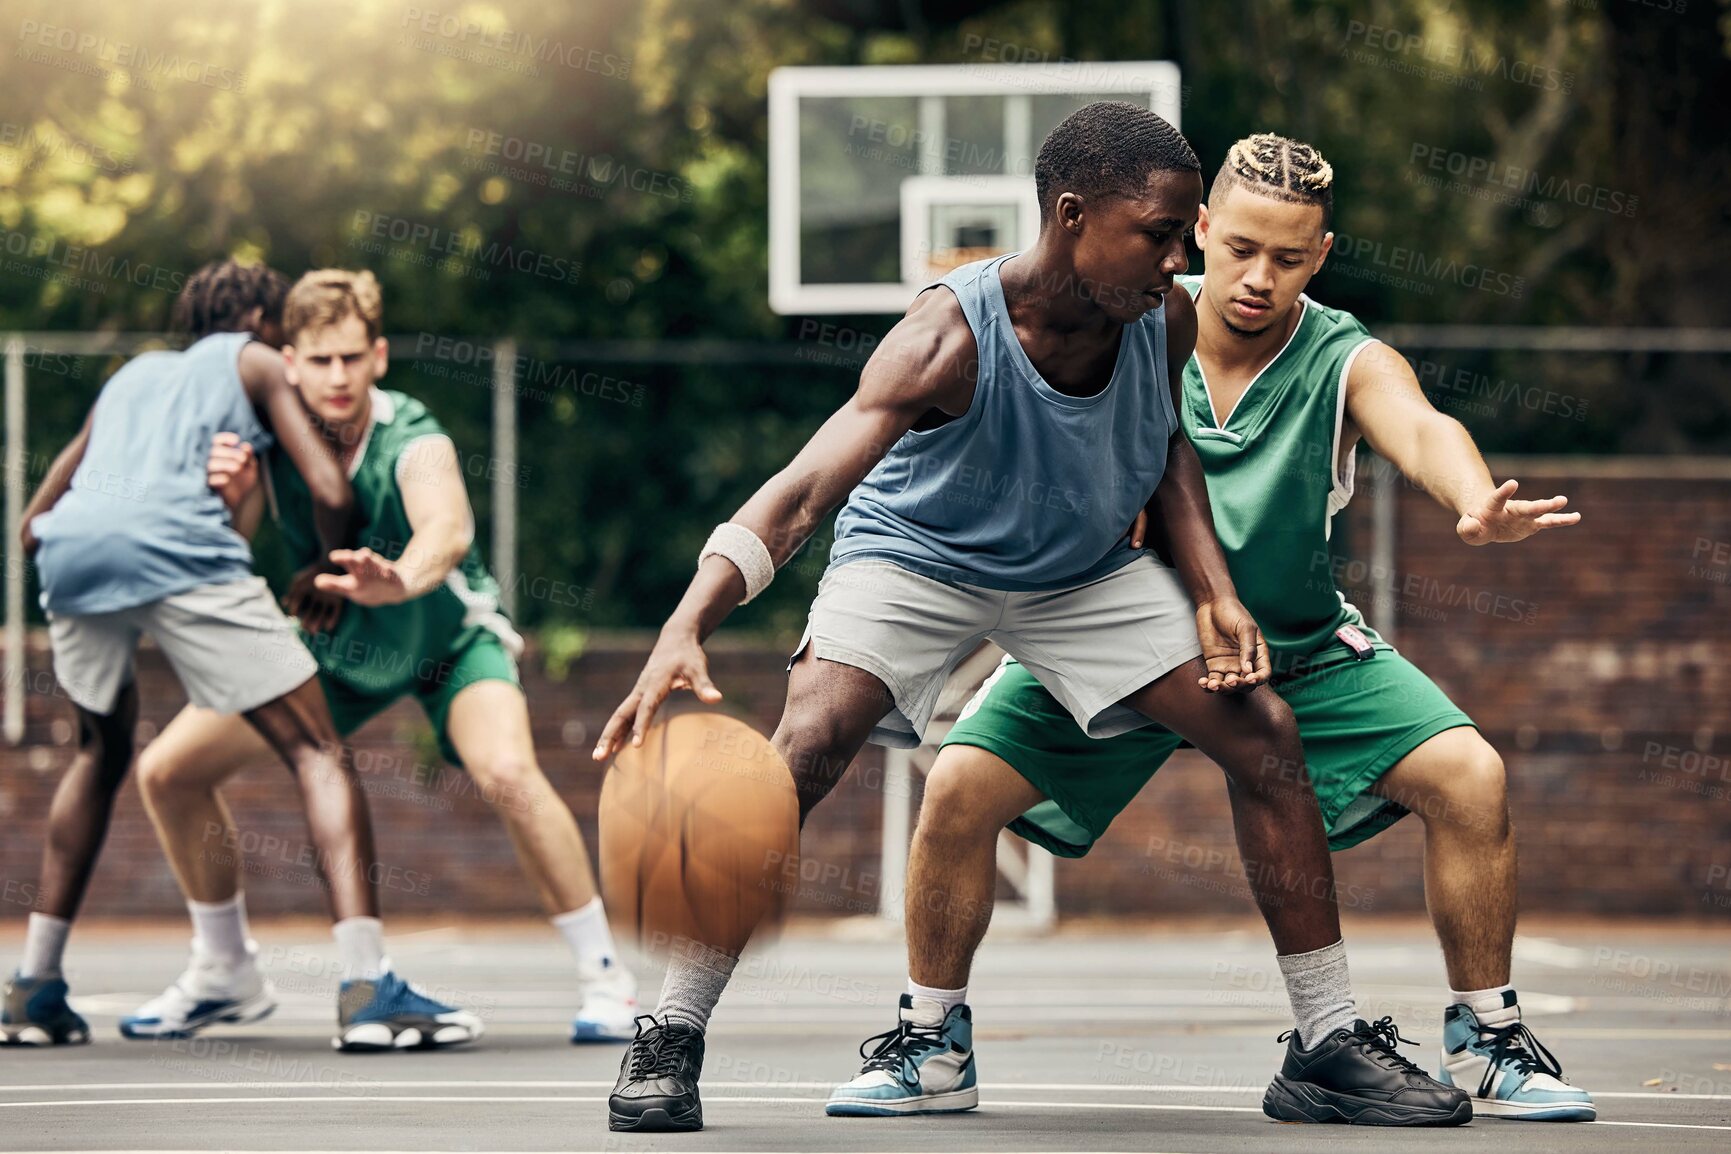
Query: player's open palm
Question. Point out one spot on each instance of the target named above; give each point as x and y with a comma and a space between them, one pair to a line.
1232, 647
232, 469
1500, 518
677, 662
367, 578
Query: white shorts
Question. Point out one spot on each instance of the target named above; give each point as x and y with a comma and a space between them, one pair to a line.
231, 646
1091, 645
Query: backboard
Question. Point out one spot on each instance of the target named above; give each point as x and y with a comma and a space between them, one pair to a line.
882, 178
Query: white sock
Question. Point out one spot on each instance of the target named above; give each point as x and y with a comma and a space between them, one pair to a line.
1494, 1008
44, 943
220, 927
586, 932
1320, 990
948, 999
361, 941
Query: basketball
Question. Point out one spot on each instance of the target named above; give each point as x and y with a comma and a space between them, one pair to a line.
699, 833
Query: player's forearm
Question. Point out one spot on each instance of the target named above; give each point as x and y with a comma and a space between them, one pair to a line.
431, 553
1443, 461
1182, 504
249, 513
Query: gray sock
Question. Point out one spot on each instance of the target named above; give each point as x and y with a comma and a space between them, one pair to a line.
696, 977
1321, 992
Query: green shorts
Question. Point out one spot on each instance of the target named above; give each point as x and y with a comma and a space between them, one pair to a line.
477, 655
1356, 718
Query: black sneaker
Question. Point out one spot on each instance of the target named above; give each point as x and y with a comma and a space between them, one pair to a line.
657, 1087
1357, 1076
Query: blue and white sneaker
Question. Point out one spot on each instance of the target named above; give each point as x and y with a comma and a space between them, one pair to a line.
609, 1010
388, 1013
1507, 1071
923, 1066
33, 1012
211, 991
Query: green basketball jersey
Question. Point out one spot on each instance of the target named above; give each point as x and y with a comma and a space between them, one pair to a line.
1275, 479
388, 649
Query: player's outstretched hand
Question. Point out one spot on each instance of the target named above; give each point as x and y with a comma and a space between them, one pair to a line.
232, 469
677, 662
367, 578
1499, 519
1232, 647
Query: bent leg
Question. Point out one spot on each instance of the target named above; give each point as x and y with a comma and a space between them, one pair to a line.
1254, 740
971, 795
1456, 784
299, 728
83, 803
178, 775
488, 726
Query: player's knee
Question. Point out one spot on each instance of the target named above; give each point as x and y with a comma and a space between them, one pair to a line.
1474, 793
160, 774
812, 742
508, 782
953, 809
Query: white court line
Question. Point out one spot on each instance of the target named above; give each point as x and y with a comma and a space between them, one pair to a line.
510, 1083
568, 1100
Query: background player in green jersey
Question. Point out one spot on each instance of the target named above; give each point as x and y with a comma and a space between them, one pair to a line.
415, 614
1276, 398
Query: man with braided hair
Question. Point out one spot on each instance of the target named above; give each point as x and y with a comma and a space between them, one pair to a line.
1278, 395
130, 540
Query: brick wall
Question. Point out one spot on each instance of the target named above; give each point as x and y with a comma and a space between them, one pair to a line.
1595, 659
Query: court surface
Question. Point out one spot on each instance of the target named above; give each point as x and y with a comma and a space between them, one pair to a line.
1147, 1038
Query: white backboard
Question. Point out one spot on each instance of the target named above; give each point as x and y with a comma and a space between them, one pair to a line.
854, 151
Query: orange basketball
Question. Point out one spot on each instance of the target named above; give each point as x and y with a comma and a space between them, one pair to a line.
699, 833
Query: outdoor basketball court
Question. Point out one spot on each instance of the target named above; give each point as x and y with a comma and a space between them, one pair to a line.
1138, 1038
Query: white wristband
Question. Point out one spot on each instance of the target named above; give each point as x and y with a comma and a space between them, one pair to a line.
747, 552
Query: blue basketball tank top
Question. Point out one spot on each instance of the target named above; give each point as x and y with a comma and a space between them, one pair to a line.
1030, 489
140, 522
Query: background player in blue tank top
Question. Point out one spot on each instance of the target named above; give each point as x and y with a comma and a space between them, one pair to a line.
1069, 355
134, 542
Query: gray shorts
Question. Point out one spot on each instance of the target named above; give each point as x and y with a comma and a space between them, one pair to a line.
1091, 646
231, 646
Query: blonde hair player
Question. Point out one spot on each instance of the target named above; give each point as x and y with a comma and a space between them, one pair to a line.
413, 613
1280, 391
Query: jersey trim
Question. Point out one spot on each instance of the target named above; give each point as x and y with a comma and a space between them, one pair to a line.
1208, 391
1342, 474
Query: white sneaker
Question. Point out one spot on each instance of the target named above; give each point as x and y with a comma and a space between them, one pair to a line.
212, 990
609, 1010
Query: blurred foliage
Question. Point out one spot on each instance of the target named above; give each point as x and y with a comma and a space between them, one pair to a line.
138, 141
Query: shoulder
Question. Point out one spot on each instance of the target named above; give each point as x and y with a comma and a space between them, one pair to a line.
930, 350
1332, 326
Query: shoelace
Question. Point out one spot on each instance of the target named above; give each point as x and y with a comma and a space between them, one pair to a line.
655, 1053
1515, 1045
897, 1046
1383, 1036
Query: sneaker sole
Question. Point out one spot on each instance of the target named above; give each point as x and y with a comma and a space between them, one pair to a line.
590, 1033
1535, 1112
656, 1121
254, 1009
378, 1037
31, 1034
950, 1102
1289, 1101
